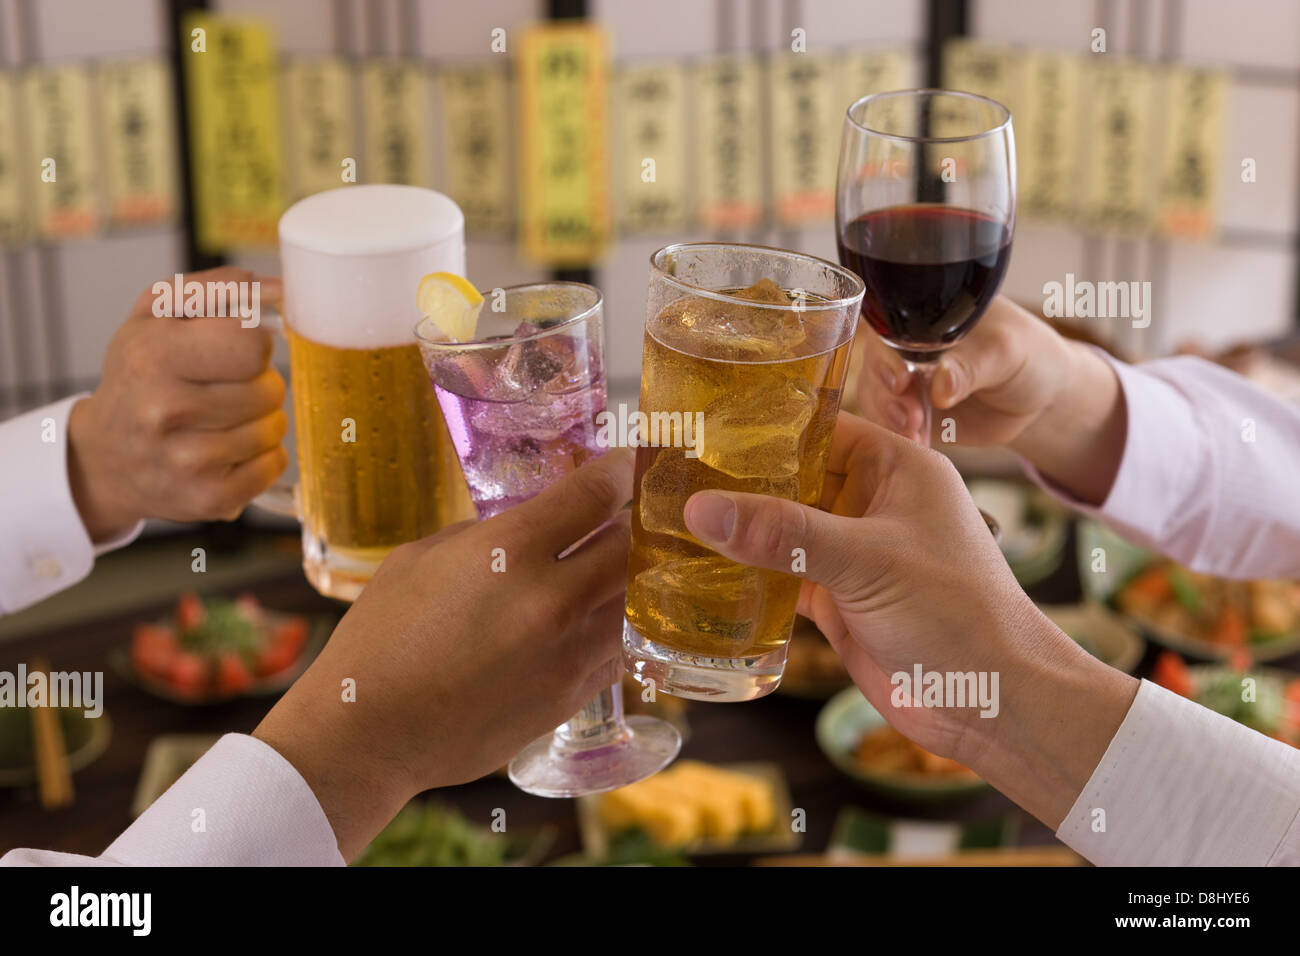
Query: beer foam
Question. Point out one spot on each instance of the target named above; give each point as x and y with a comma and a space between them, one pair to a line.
353, 259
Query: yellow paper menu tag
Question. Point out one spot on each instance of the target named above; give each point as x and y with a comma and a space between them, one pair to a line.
61, 170
989, 71
230, 88
476, 120
564, 202
873, 71
1047, 136
652, 158
139, 138
727, 143
1117, 156
395, 118
805, 129
319, 129
1194, 116
15, 181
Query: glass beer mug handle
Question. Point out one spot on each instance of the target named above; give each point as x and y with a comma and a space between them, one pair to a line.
270, 319
280, 498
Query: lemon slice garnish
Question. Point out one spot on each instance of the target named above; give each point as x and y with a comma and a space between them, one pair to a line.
453, 304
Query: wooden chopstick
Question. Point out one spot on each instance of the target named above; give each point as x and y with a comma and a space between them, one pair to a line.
54, 776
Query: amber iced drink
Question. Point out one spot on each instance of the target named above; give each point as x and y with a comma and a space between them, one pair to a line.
752, 345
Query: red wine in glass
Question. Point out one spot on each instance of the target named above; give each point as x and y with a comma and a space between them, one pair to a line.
930, 271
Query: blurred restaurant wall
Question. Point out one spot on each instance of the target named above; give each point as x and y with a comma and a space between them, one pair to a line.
1169, 155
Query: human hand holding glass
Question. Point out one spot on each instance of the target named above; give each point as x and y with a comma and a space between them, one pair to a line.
520, 399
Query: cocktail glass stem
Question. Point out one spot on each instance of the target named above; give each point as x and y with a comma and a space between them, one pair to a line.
599, 722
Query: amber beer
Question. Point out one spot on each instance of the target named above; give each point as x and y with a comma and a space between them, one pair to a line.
376, 463
765, 364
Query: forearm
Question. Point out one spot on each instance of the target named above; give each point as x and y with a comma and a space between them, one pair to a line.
1077, 442
1059, 709
323, 737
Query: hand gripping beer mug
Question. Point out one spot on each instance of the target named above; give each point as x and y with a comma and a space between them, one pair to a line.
376, 464
749, 345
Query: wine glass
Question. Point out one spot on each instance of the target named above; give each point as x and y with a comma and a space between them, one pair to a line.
925, 208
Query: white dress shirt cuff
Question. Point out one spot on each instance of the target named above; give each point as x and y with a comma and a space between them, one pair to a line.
1180, 785
241, 804
46, 546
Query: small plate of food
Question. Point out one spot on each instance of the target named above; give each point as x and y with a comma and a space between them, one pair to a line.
218, 649
858, 834
1195, 614
858, 740
165, 762
691, 808
1263, 698
428, 833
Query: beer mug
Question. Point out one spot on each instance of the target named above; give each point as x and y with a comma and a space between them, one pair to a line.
376, 467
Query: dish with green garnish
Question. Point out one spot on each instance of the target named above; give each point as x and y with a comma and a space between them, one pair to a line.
432, 834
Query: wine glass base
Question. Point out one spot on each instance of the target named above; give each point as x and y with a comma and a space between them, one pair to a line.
546, 768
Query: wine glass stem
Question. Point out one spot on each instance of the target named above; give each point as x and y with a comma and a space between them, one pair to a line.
599, 722
922, 374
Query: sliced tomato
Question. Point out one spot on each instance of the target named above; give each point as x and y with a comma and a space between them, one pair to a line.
1171, 673
189, 612
233, 676
274, 658
290, 633
153, 648
250, 607
1241, 660
189, 672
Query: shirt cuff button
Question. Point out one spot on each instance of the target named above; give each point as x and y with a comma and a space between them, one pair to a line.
46, 566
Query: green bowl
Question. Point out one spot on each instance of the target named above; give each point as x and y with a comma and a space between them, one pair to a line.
841, 724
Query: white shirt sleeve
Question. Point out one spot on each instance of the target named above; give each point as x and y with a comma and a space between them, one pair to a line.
45, 545
256, 811
1180, 785
1210, 470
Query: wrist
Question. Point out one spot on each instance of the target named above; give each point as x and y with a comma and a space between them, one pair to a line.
103, 514
1077, 441
1042, 434
1059, 709
357, 788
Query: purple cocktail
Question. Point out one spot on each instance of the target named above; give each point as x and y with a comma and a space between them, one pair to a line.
521, 402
